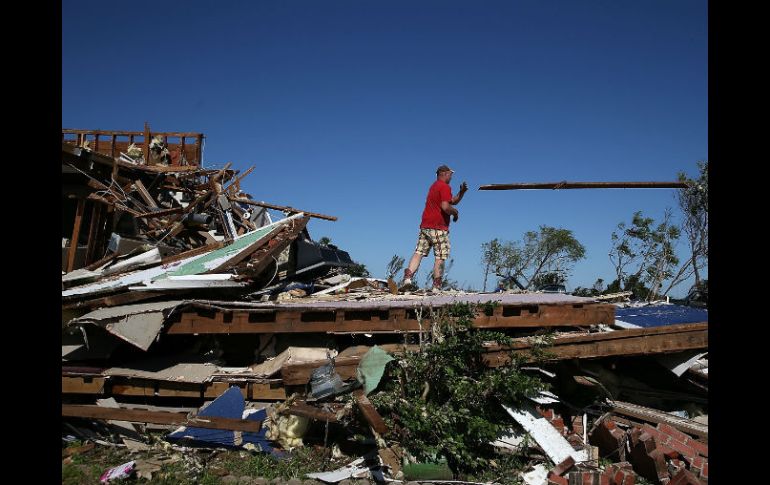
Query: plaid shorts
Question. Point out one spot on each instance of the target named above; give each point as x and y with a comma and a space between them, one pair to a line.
435, 238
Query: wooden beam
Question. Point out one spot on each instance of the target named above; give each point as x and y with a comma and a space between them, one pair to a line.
112, 300
145, 194
308, 411
299, 373
291, 210
586, 185
395, 320
159, 417
655, 416
162, 212
125, 386
192, 252
631, 342
173, 134
370, 413
82, 385
146, 148
92, 230
75, 235
344, 365
239, 178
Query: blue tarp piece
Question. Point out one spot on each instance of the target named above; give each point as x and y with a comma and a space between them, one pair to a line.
229, 404
659, 315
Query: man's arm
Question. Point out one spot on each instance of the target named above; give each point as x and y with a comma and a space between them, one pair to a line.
457, 198
447, 207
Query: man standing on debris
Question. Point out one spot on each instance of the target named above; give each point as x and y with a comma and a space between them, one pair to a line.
434, 228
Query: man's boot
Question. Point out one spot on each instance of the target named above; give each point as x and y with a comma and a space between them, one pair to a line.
437, 282
408, 285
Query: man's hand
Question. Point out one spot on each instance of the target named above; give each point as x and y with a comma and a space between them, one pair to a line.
455, 215
463, 187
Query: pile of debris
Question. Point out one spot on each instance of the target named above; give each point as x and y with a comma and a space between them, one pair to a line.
187, 310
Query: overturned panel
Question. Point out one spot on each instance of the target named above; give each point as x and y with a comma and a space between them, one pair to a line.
137, 324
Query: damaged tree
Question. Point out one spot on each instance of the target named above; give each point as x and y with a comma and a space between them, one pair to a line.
439, 402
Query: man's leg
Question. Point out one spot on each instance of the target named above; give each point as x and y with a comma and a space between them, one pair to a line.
414, 263
422, 249
438, 268
441, 250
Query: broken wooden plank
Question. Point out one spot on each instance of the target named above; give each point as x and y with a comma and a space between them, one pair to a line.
272, 246
299, 373
370, 413
144, 194
75, 235
586, 185
82, 385
160, 417
112, 300
161, 213
290, 210
631, 342
655, 416
308, 411
236, 183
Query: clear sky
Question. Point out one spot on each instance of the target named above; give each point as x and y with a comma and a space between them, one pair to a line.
347, 107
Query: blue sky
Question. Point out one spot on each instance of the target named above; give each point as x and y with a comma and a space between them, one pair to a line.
347, 107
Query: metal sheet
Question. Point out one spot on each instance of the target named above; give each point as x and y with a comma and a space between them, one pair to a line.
163, 370
547, 437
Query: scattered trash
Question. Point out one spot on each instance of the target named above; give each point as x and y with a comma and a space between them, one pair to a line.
122, 471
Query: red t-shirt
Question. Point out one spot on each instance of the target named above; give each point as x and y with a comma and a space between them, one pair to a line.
433, 217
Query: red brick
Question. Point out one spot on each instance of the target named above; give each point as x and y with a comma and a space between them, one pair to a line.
675, 433
677, 463
609, 445
562, 467
629, 479
575, 440
558, 423
705, 472
660, 463
619, 475
698, 462
684, 477
618, 434
554, 479
606, 479
634, 434
668, 452
682, 448
699, 447
653, 432
648, 442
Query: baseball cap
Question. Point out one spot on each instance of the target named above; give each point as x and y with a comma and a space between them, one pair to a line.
444, 168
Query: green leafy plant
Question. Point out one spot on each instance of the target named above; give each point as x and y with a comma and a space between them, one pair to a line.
444, 402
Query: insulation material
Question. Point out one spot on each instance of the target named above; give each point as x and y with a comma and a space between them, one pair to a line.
291, 355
